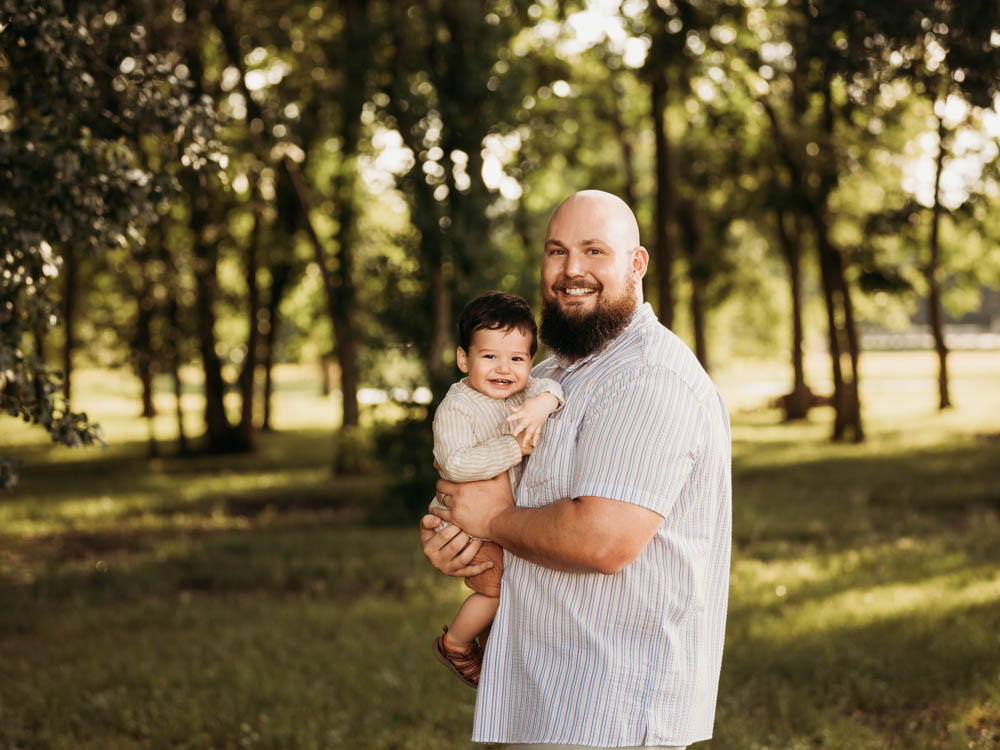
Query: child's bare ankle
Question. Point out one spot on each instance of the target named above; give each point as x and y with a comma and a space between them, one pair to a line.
456, 644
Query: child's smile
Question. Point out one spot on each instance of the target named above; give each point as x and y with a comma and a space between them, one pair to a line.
498, 362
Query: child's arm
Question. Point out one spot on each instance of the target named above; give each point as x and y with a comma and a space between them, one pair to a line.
544, 397
460, 456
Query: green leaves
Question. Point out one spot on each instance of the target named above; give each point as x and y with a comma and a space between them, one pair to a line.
78, 93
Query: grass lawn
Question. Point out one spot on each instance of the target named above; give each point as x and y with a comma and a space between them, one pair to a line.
251, 602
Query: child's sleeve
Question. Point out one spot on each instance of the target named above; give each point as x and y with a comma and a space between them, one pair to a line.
460, 456
538, 386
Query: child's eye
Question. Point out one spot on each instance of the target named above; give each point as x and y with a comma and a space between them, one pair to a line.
489, 356
518, 359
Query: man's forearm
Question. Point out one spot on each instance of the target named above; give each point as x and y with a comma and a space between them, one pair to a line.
592, 535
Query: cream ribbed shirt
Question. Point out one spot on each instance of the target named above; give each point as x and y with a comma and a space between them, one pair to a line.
472, 438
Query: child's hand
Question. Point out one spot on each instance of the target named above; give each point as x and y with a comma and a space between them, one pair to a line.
526, 442
528, 419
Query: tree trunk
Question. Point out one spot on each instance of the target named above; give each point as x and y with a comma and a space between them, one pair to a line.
357, 53
153, 447
70, 277
663, 251
143, 347
624, 137
843, 336
441, 296
142, 341
280, 276
173, 323
172, 341
798, 402
248, 372
833, 337
39, 334
696, 274
935, 313
221, 436
342, 301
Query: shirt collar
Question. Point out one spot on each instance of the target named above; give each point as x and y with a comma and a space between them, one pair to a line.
473, 393
642, 314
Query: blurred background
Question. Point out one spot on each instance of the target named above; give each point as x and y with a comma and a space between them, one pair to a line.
234, 241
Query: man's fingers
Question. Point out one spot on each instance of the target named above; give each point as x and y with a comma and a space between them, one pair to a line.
463, 562
474, 570
438, 539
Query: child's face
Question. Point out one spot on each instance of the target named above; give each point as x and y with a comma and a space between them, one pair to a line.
498, 362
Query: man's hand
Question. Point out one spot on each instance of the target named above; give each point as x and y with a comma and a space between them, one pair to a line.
528, 419
450, 550
474, 505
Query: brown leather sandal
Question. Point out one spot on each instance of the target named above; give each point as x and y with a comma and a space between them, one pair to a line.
465, 664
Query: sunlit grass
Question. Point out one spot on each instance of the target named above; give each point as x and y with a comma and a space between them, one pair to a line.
245, 601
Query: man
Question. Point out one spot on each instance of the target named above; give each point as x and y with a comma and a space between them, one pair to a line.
613, 602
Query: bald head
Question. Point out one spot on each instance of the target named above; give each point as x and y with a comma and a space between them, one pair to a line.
592, 273
606, 214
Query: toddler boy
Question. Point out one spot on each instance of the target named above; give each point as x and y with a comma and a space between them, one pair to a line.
485, 425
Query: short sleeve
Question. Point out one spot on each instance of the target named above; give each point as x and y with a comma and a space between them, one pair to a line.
639, 441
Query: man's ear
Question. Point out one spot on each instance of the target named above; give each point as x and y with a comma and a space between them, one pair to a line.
462, 359
640, 261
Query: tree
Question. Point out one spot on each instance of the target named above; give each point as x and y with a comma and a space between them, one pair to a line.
953, 61
80, 87
443, 95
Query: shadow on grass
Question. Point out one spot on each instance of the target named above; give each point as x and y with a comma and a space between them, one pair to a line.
842, 502
900, 678
276, 450
312, 555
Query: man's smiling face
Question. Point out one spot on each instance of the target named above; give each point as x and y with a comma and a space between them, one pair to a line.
592, 257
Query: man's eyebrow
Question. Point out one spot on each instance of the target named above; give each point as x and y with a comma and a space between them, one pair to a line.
593, 241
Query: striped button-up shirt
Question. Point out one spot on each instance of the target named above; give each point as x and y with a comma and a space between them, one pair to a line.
631, 658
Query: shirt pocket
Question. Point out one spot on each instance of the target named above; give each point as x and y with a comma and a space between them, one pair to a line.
549, 468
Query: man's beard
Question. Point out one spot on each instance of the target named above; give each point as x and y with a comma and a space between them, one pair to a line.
576, 336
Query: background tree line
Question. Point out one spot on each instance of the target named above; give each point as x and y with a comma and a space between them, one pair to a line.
225, 185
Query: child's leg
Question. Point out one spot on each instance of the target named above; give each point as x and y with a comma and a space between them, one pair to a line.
474, 616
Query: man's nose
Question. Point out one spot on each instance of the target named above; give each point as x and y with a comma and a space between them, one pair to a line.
574, 265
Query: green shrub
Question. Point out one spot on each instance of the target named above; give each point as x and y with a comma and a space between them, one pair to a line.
405, 452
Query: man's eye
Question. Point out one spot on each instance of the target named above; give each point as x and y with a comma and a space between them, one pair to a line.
557, 251
594, 250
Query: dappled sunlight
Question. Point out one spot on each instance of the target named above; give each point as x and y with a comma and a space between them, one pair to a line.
864, 596
863, 605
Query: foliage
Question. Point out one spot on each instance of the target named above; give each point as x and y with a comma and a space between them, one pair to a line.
80, 89
385, 161
405, 452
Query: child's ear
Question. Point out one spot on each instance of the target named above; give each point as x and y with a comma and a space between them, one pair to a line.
462, 359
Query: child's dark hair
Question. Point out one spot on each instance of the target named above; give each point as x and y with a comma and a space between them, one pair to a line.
497, 311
